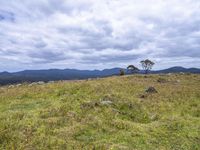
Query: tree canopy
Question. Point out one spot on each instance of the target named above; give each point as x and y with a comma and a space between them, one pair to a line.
147, 65
132, 69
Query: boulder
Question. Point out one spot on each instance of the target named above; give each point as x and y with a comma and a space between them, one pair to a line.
151, 90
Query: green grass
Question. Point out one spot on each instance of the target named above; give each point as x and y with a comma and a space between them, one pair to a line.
70, 115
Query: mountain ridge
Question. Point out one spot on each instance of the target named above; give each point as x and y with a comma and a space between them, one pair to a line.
74, 74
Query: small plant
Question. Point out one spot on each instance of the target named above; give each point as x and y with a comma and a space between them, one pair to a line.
121, 72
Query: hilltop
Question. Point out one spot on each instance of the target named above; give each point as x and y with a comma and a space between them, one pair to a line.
106, 113
74, 74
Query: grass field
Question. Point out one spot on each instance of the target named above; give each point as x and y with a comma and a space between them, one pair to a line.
107, 113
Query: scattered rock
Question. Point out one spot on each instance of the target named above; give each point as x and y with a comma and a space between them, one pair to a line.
89, 79
51, 81
32, 84
188, 73
151, 90
106, 102
94, 104
11, 86
18, 85
40, 82
176, 81
36, 83
143, 96
154, 117
88, 105
71, 114
161, 80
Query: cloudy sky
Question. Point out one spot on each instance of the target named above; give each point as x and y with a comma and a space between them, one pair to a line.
98, 34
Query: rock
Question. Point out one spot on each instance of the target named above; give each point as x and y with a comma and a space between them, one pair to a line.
40, 82
51, 82
89, 79
151, 90
18, 85
32, 84
107, 102
154, 117
71, 114
93, 104
11, 86
88, 105
161, 80
143, 96
115, 110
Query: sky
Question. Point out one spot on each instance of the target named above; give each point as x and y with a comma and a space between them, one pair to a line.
98, 34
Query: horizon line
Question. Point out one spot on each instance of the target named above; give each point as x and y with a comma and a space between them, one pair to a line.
93, 69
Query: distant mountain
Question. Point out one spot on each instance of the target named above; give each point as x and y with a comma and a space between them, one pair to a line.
178, 69
72, 74
53, 75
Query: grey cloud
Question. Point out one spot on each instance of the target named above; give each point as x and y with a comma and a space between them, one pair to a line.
44, 32
7, 16
9, 52
46, 56
40, 44
102, 37
108, 59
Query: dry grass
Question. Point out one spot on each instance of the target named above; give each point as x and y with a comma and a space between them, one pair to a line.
70, 115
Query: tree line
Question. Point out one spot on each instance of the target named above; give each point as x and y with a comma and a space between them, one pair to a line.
147, 65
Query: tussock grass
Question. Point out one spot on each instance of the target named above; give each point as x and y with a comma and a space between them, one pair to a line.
71, 115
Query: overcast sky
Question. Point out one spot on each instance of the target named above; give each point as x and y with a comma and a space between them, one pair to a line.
98, 34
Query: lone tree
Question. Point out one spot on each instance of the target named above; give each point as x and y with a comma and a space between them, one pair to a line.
132, 69
147, 65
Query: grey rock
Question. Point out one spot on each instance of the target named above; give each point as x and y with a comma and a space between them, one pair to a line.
161, 80
11, 86
107, 102
18, 85
151, 90
40, 82
51, 82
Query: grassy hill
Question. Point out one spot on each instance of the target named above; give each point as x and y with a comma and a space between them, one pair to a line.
109, 113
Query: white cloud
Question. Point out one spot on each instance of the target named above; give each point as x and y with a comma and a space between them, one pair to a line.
88, 34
